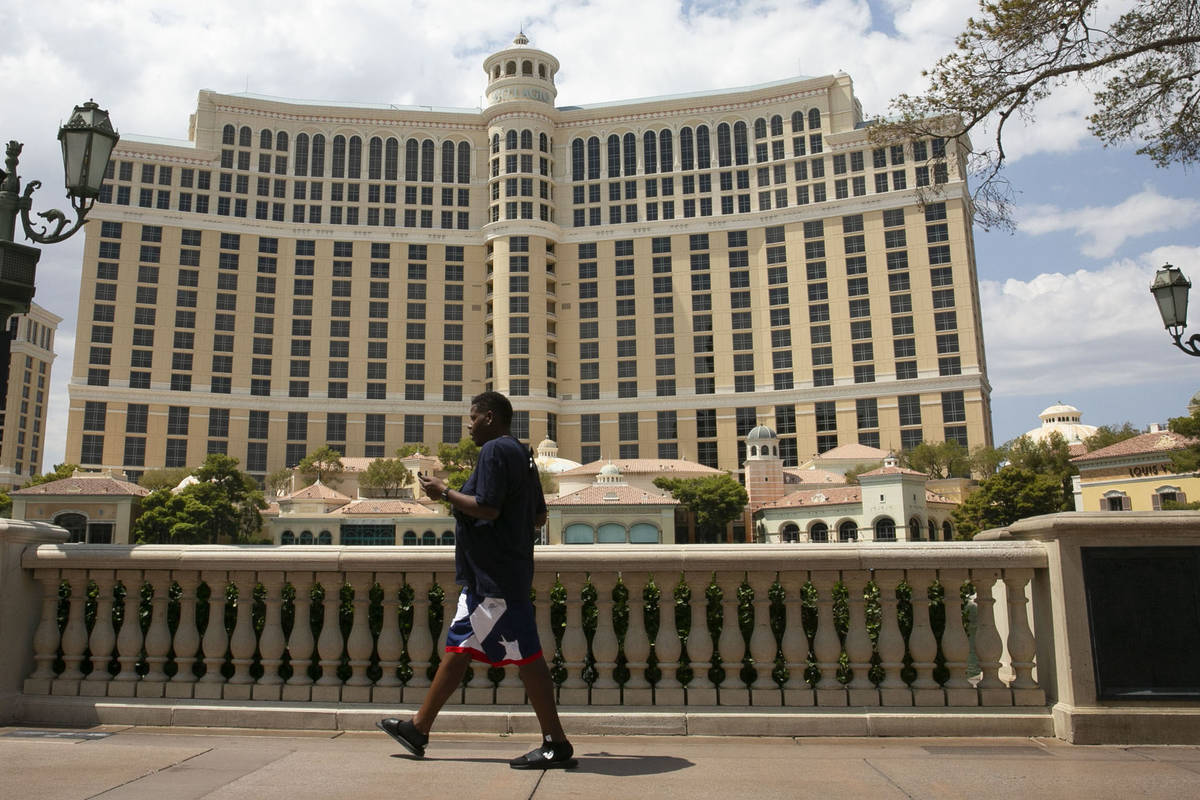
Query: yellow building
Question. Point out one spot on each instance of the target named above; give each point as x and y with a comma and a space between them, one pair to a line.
25, 393
1134, 475
646, 278
96, 507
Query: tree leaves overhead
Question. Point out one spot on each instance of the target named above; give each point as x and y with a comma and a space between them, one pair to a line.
1011, 494
1141, 68
715, 500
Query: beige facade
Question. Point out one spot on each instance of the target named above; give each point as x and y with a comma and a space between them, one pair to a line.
23, 415
95, 507
1134, 475
646, 278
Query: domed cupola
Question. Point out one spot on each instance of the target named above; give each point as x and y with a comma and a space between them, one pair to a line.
762, 441
521, 73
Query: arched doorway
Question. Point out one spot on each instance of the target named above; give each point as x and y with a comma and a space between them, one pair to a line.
789, 533
819, 532
848, 531
885, 530
76, 525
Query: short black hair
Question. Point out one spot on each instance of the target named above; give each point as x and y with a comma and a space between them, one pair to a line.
496, 403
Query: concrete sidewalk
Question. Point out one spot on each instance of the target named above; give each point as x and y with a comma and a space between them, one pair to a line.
143, 763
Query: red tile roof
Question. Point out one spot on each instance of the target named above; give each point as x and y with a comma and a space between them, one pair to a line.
385, 505
1147, 443
97, 485
642, 466
620, 495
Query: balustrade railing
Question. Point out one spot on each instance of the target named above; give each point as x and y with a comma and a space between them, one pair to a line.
782, 626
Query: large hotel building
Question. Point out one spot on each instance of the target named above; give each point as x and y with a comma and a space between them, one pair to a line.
646, 278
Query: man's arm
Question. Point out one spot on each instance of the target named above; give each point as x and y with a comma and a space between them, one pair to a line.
436, 489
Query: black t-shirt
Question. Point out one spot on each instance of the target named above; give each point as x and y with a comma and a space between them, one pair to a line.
494, 558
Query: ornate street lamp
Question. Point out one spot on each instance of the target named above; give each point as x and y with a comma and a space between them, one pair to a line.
87, 141
1170, 290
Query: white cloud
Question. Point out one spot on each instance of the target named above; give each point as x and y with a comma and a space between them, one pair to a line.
1106, 228
1083, 331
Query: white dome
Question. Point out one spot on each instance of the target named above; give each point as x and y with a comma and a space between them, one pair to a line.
761, 433
1062, 419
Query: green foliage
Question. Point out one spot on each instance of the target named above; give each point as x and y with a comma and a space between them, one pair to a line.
404, 451
387, 476
620, 617
1107, 435
549, 483
437, 615
323, 463
5, 504
714, 500
778, 597
60, 472
458, 460
683, 629
1011, 494
558, 626
714, 619
745, 612
167, 478
590, 613
1140, 67
279, 481
1189, 459
224, 503
1050, 457
652, 621
858, 469
986, 460
939, 459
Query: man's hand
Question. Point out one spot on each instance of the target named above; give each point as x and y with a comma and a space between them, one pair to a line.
433, 486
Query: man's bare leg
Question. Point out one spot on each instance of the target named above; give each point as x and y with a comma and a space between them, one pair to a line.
540, 689
446, 681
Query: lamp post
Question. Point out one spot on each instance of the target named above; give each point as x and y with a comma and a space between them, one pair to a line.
1170, 290
87, 141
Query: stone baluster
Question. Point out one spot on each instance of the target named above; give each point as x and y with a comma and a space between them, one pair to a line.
604, 644
46, 637
956, 648
922, 644
389, 646
702, 691
668, 691
988, 645
129, 640
187, 636
270, 642
763, 692
158, 636
420, 640
637, 645
74, 635
796, 693
860, 691
731, 646
103, 638
359, 643
329, 642
574, 646
1022, 648
215, 641
827, 647
893, 691
243, 641
300, 641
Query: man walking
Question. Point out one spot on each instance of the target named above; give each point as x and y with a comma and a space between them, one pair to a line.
497, 511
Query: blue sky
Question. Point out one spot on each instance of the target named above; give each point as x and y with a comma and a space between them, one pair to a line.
1066, 309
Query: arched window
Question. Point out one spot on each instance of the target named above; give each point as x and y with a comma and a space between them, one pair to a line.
611, 533
644, 533
650, 152
914, 529
526, 139
306, 537
464, 162
496, 72
526, 67
244, 136
412, 155
510, 140
375, 159
933, 531
76, 525
686, 149
724, 148
410, 538
510, 68
947, 531
543, 143
666, 151
629, 143
614, 156
228, 135
287, 537
760, 128
281, 141
447, 538
789, 533
819, 532
703, 152
391, 159
848, 531
797, 121
301, 167
814, 119
355, 170
577, 160
264, 139
325, 537
428, 538
593, 158
337, 165
741, 153
495, 143
777, 125
318, 155
541, 70
447, 162
427, 154
578, 533
885, 530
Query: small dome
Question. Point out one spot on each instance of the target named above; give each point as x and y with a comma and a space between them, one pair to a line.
610, 469
761, 433
521, 39
1060, 410
547, 444
1064, 420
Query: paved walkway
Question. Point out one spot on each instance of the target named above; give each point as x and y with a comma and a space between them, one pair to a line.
142, 763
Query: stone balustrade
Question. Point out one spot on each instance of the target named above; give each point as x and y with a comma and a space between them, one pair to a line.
762, 626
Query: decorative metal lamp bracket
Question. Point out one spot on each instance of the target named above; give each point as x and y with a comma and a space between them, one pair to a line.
55, 229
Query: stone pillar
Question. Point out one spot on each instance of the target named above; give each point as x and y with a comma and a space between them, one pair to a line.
922, 644
826, 645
